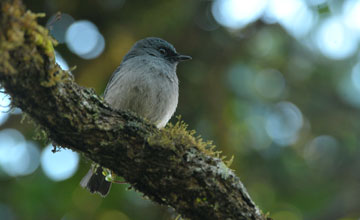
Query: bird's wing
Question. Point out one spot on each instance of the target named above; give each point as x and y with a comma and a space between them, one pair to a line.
113, 78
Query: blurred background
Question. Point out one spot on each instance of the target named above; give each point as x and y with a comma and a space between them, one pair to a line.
276, 83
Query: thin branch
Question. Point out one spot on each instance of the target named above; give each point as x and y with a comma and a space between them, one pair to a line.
170, 166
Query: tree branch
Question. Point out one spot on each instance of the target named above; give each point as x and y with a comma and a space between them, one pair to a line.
169, 166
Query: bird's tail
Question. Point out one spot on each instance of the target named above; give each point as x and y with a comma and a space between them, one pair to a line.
95, 181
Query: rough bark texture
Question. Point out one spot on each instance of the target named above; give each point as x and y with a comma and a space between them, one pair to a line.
170, 166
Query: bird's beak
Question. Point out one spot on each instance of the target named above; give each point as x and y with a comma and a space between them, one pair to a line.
180, 57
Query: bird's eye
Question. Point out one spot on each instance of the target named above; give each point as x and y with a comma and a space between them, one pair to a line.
162, 51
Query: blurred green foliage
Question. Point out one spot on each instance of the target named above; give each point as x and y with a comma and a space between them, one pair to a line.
222, 99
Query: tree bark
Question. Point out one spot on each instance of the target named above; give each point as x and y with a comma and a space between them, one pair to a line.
169, 166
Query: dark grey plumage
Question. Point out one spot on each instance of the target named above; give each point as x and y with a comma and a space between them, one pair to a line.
145, 83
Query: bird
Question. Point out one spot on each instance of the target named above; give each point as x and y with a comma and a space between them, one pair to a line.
145, 83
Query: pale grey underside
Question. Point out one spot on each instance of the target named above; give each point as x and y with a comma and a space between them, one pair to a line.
147, 86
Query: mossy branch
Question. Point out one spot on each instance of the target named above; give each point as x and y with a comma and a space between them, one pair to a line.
170, 166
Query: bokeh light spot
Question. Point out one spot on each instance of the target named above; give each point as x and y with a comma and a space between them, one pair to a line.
284, 123
321, 152
265, 44
60, 61
347, 89
237, 13
16, 111
60, 165
355, 76
205, 20
6, 212
4, 106
293, 15
351, 14
334, 40
256, 124
316, 2
240, 78
17, 157
270, 84
83, 38
58, 24
97, 50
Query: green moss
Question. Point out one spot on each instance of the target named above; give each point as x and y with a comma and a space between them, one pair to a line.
38, 34
23, 26
24, 117
179, 134
199, 201
41, 134
229, 162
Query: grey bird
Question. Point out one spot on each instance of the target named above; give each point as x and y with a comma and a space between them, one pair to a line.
145, 83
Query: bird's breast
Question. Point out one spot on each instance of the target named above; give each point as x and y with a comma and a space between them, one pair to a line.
148, 88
